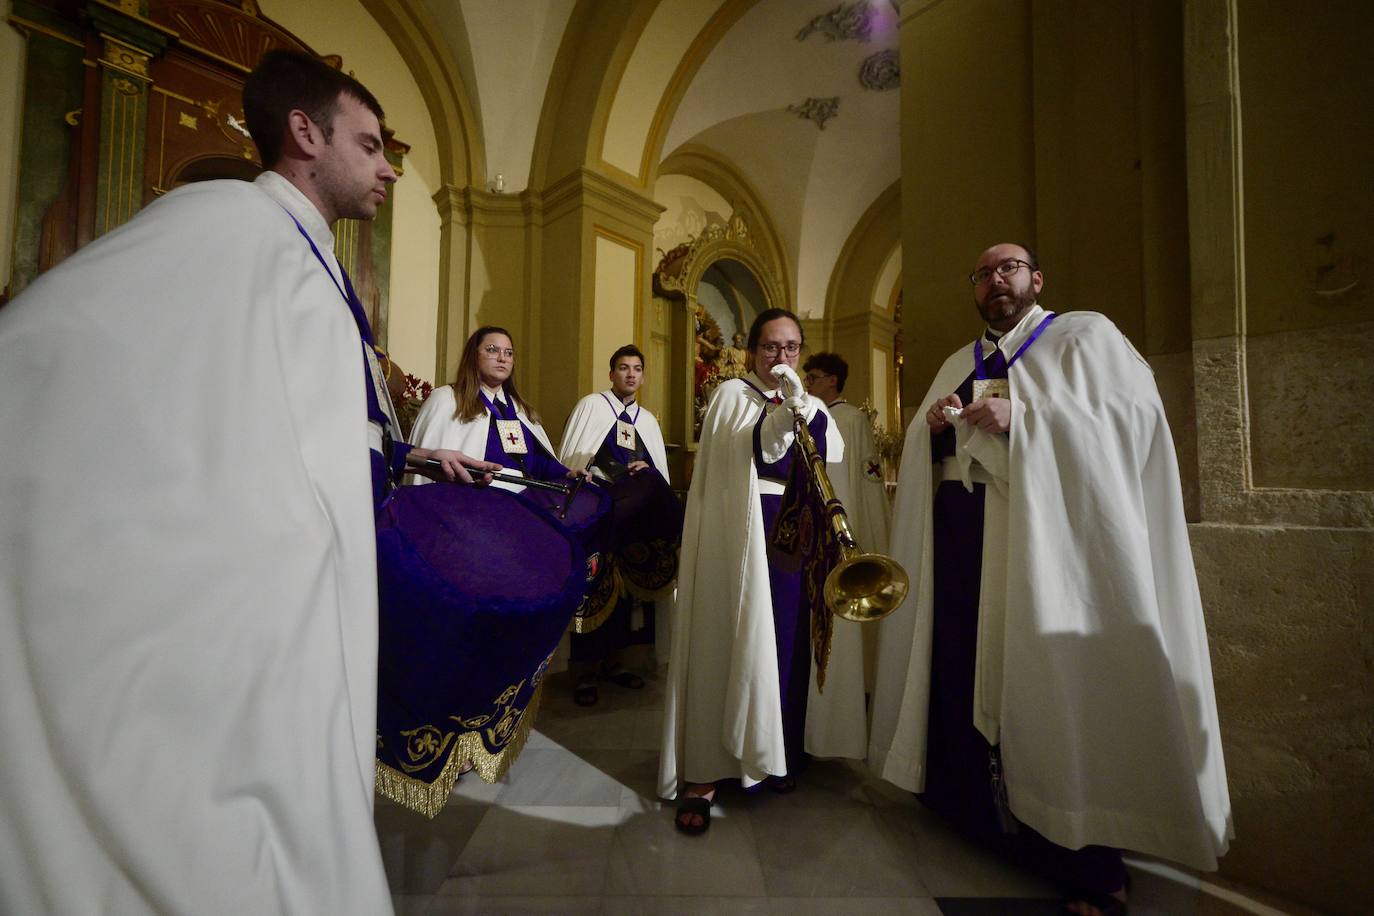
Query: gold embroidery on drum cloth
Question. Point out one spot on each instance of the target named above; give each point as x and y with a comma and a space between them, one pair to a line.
600, 605
512, 729
665, 557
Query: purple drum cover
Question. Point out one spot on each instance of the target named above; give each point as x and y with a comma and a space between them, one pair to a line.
476, 587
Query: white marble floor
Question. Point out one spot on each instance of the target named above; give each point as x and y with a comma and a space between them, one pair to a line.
576, 828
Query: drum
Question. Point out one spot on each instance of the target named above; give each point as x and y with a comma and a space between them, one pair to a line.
587, 517
476, 588
648, 533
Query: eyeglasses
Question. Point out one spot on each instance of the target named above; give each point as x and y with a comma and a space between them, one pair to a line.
494, 351
1005, 269
791, 348
813, 376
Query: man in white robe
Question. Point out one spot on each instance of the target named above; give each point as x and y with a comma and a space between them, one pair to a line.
597, 414
858, 483
188, 624
611, 435
725, 714
1053, 635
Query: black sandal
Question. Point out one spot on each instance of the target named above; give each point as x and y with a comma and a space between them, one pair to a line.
693, 804
585, 695
622, 678
783, 785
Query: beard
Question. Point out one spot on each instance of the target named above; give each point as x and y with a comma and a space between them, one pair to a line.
1005, 305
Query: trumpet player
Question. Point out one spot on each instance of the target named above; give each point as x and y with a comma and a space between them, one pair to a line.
736, 704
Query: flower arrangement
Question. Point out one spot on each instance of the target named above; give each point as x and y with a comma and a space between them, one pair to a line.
408, 405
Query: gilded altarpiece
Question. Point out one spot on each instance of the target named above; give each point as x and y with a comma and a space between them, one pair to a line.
125, 101
702, 356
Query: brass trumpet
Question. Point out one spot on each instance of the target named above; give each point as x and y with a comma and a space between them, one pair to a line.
862, 586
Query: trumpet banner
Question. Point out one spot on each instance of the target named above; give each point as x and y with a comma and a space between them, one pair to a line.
804, 539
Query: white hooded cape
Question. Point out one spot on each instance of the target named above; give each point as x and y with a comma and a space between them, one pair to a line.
435, 427
1093, 670
188, 623
722, 713
864, 497
859, 483
593, 418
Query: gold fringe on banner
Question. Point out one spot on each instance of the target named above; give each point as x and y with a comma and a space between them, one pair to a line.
429, 798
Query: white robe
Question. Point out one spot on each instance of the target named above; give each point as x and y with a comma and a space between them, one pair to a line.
188, 624
1093, 670
857, 484
722, 711
435, 427
593, 417
869, 514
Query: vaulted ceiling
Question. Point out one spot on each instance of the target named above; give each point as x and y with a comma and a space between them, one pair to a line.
800, 97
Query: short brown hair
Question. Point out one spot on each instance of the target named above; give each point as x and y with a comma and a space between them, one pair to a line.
286, 80
627, 350
830, 364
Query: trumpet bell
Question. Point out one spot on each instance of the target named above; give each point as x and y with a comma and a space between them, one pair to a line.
866, 586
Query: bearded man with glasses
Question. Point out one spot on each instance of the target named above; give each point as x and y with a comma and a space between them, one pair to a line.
737, 703
1047, 685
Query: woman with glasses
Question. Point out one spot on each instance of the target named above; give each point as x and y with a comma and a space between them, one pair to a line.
483, 410
737, 706
463, 569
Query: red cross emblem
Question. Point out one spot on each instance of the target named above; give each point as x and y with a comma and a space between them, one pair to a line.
625, 435
513, 438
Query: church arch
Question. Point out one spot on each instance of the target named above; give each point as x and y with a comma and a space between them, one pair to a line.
457, 130
860, 305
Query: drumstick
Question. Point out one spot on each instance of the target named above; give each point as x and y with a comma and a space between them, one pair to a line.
509, 478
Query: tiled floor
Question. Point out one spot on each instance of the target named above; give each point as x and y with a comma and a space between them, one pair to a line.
576, 828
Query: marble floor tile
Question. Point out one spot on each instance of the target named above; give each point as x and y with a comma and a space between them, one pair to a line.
470, 789
883, 794
684, 906
835, 852
951, 866
419, 853
634, 771
536, 851
576, 827
648, 733
853, 906
822, 784
411, 905
649, 857
559, 691
553, 905
998, 906
597, 728
558, 776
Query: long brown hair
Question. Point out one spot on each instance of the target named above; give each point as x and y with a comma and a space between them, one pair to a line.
467, 387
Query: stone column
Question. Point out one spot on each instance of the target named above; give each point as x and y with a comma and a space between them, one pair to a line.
968, 163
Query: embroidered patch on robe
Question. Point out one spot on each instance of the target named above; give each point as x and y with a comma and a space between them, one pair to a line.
512, 437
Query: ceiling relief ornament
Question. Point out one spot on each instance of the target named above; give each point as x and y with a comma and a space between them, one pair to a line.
846, 22
882, 71
818, 110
